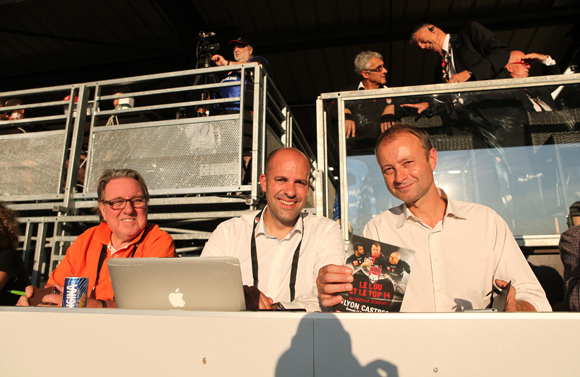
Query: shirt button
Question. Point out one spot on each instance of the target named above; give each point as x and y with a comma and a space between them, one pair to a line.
115, 256
438, 290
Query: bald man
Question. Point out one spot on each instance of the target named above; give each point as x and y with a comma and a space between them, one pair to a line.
397, 267
533, 99
281, 248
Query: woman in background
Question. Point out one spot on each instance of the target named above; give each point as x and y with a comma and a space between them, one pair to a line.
13, 274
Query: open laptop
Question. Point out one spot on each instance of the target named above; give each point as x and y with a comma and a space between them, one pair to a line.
202, 284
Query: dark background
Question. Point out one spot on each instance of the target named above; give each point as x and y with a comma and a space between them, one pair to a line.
311, 45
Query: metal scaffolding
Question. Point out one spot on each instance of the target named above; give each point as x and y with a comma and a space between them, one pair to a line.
193, 165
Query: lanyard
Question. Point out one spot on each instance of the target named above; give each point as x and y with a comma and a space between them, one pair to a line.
294, 269
103, 256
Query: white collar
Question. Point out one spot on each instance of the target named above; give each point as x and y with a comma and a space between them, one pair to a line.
362, 87
446, 43
298, 226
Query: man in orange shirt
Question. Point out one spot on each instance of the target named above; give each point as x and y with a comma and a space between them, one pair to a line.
123, 233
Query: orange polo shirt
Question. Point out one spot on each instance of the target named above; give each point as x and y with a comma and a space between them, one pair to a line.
82, 257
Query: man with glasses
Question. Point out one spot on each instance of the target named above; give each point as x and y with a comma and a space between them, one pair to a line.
243, 53
506, 115
366, 119
123, 233
533, 99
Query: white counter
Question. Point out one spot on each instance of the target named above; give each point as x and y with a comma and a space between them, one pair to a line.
100, 342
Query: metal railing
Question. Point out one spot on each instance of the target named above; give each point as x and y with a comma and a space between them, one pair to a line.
533, 181
193, 166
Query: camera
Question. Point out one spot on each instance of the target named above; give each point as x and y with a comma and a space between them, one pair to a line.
205, 49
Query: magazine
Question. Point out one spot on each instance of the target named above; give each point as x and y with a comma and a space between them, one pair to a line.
381, 272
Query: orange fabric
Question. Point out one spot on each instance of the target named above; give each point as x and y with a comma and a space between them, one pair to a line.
82, 257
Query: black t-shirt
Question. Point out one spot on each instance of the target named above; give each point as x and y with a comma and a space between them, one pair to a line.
355, 260
396, 270
11, 263
367, 117
380, 261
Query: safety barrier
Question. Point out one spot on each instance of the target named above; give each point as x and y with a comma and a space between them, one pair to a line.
169, 127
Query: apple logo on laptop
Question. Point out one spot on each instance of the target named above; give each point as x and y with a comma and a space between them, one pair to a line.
176, 299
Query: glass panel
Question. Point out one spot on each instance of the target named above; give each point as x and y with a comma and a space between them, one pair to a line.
498, 148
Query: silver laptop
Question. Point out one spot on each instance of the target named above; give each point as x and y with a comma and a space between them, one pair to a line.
203, 284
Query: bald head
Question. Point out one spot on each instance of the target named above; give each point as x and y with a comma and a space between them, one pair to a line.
286, 184
517, 66
283, 154
516, 56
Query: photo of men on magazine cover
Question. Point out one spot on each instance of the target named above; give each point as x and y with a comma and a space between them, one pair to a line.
381, 273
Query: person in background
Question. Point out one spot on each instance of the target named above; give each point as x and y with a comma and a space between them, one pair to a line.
17, 113
474, 53
243, 53
122, 103
365, 120
3, 115
13, 274
536, 99
570, 253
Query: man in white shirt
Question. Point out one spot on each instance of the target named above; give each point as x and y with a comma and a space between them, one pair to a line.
281, 248
462, 249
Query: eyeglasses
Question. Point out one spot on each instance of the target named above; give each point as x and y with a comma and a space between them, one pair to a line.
377, 69
521, 62
138, 202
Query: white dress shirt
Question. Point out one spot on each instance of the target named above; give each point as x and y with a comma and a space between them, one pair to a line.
322, 244
452, 70
457, 261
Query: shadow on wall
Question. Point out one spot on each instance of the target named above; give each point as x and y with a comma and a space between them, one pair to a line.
331, 356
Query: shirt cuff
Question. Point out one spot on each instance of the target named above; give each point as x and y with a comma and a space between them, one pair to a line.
549, 61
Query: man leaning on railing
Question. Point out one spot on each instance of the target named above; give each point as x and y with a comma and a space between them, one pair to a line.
243, 53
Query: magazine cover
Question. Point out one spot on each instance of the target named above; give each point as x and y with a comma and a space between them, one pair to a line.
381, 272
